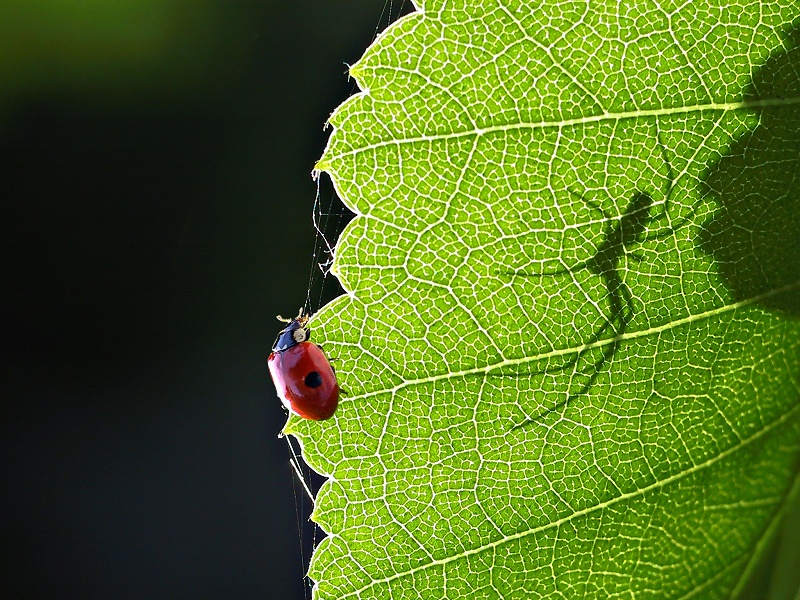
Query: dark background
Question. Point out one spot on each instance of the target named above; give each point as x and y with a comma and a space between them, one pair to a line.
156, 168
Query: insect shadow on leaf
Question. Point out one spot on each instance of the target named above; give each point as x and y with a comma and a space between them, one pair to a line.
621, 235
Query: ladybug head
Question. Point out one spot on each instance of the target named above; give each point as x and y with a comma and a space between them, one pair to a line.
296, 332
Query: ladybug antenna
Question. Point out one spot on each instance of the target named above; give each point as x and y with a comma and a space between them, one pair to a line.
299, 317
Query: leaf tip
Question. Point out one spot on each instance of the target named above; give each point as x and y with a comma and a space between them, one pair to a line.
289, 427
354, 71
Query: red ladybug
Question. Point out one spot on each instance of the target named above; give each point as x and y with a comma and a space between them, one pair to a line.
303, 377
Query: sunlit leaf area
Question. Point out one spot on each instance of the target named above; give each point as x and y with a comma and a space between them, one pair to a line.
570, 339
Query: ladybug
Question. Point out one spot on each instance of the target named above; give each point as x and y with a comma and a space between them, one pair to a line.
303, 377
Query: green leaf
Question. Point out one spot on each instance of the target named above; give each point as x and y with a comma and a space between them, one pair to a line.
571, 334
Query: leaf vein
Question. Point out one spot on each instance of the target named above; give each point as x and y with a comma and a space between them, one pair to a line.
630, 335
325, 164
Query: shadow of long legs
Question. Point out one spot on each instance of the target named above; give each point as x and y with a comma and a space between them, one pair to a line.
621, 312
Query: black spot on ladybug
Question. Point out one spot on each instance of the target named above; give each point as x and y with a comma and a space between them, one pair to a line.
313, 379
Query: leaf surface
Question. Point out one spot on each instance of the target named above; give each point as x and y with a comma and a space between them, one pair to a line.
571, 334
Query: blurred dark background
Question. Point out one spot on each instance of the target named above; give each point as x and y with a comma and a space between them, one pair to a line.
156, 167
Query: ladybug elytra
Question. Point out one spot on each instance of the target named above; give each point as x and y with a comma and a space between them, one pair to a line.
303, 376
